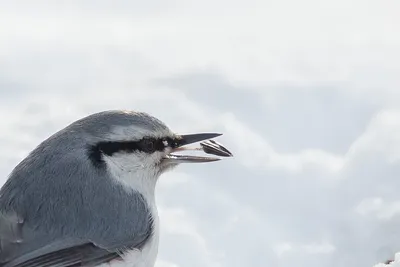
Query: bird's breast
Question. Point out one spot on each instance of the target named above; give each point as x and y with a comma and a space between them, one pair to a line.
146, 257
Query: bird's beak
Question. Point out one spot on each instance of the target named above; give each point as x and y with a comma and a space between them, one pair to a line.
209, 147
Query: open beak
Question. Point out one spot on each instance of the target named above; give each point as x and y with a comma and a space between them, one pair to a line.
209, 147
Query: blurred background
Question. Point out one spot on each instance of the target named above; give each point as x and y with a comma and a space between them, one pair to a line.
306, 94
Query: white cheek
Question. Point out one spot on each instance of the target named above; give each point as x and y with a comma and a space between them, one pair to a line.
138, 171
135, 162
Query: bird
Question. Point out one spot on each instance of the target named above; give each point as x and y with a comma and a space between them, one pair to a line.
85, 196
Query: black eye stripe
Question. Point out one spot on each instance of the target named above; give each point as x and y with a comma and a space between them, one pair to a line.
143, 145
147, 145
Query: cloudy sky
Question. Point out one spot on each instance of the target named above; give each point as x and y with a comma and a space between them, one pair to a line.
307, 94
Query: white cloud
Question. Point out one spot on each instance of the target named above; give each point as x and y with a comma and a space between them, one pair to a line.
165, 264
179, 223
312, 248
369, 205
380, 209
255, 43
246, 141
283, 248
381, 136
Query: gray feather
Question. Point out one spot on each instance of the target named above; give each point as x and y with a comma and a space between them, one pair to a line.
56, 209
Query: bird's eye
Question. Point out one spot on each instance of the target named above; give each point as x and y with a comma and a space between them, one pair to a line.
175, 143
169, 142
148, 145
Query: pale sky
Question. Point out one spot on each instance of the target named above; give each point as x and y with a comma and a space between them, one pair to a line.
307, 94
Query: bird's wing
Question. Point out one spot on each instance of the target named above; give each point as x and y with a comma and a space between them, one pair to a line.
20, 246
59, 244
79, 255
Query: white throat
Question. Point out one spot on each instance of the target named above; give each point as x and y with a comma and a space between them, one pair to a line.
137, 177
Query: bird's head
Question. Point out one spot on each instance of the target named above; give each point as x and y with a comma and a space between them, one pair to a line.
135, 144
